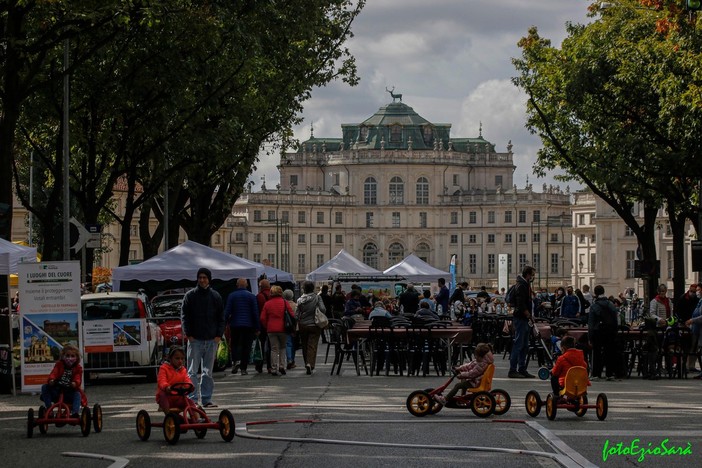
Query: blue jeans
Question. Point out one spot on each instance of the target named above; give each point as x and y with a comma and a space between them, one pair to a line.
290, 349
201, 355
520, 347
50, 394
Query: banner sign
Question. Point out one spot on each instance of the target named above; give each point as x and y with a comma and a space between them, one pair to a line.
50, 317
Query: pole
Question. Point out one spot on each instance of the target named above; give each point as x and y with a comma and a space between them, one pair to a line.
31, 195
66, 191
166, 215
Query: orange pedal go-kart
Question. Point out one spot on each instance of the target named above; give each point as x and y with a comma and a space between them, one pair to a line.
573, 397
179, 420
483, 400
59, 415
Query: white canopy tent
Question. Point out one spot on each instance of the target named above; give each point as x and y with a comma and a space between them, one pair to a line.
342, 263
417, 270
180, 264
12, 255
275, 275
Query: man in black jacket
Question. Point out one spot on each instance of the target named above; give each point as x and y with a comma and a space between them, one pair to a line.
520, 323
602, 326
202, 314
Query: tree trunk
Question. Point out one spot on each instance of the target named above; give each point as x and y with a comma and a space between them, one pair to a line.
677, 226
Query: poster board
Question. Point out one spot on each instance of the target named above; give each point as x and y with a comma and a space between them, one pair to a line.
50, 317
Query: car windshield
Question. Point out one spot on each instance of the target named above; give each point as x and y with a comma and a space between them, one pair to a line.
167, 307
110, 309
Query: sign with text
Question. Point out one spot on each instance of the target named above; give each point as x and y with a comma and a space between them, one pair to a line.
49, 317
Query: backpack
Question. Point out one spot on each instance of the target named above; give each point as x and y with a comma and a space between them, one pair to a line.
606, 316
511, 296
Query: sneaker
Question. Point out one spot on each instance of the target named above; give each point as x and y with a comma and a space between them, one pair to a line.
243, 372
527, 375
209, 404
235, 368
309, 369
281, 371
515, 375
692, 369
291, 365
274, 373
610, 379
74, 415
440, 399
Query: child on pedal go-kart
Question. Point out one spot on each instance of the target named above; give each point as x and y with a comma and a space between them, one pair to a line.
66, 377
571, 357
171, 372
471, 373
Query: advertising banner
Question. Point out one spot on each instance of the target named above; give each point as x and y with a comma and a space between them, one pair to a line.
49, 317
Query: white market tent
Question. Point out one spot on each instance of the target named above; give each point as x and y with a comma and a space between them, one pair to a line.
182, 262
342, 263
417, 270
275, 275
12, 254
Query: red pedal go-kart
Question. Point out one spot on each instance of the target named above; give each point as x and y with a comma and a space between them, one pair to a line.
482, 400
573, 398
179, 420
59, 415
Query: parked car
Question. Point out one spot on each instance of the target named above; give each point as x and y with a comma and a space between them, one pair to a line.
113, 320
166, 308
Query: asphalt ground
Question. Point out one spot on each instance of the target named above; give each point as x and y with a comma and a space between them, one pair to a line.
350, 421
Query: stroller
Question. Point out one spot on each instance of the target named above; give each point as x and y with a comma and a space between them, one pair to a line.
543, 351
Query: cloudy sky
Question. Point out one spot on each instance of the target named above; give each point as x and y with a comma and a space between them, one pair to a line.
451, 61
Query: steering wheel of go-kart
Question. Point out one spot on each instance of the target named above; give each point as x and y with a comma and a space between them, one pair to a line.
181, 388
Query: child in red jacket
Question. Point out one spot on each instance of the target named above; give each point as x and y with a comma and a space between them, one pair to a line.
65, 378
571, 357
172, 371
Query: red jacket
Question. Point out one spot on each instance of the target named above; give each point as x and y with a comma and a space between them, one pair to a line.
76, 377
262, 297
272, 317
168, 375
570, 358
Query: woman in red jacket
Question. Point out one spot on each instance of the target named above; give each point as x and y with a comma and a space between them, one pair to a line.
172, 371
273, 320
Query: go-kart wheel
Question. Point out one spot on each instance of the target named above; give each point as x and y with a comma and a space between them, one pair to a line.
42, 415
551, 407
85, 421
182, 388
200, 433
503, 402
601, 408
171, 429
582, 403
226, 425
482, 404
143, 425
419, 403
533, 403
436, 406
30, 423
97, 418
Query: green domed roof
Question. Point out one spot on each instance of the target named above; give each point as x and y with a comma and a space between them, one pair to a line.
395, 113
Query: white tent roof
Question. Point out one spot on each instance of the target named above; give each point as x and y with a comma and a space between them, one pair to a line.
11, 254
275, 275
415, 269
182, 263
343, 262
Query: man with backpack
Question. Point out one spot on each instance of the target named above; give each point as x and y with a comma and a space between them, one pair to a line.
602, 333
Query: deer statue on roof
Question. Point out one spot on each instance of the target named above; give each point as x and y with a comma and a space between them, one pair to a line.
393, 95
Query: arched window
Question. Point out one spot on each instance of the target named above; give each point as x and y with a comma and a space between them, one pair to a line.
422, 191
422, 251
397, 191
395, 253
370, 192
396, 133
370, 255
